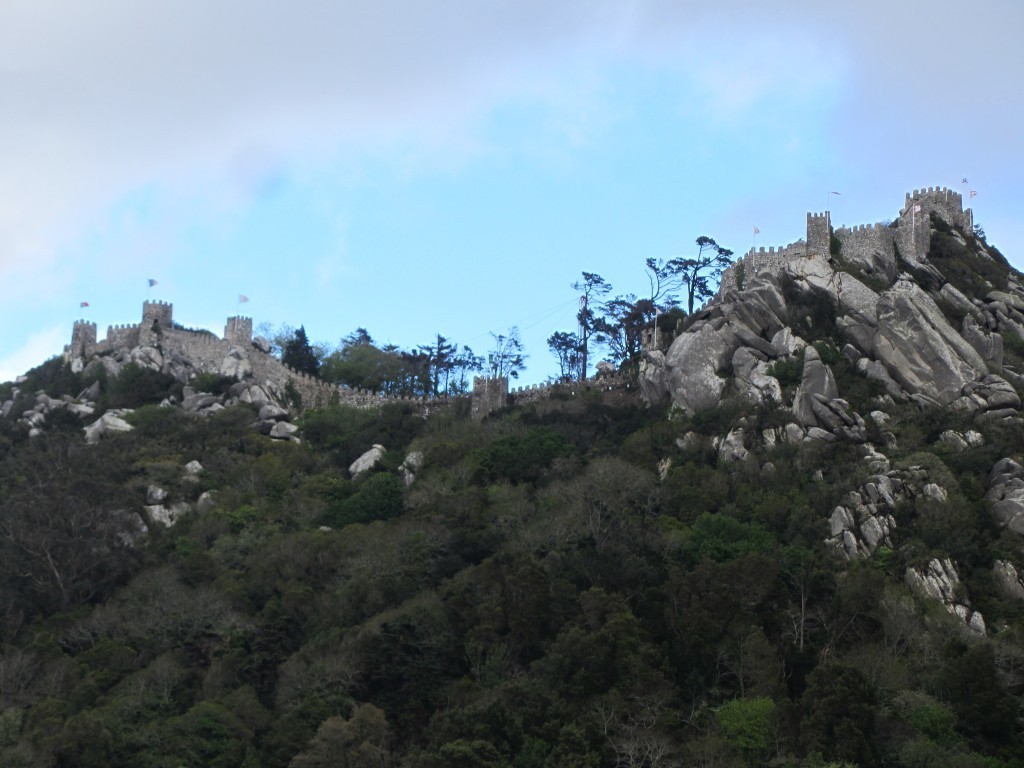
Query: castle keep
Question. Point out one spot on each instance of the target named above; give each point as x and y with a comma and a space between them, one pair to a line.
157, 329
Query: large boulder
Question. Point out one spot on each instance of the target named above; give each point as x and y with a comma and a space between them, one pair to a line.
817, 382
920, 349
693, 363
367, 461
109, 422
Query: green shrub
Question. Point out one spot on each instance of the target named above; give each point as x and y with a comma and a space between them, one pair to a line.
521, 459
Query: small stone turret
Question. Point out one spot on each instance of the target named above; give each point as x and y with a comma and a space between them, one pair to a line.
238, 330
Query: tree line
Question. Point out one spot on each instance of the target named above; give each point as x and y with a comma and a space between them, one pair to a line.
617, 323
614, 323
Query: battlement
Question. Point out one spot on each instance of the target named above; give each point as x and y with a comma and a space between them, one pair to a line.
948, 195
862, 228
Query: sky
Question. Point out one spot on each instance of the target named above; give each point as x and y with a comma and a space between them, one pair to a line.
452, 166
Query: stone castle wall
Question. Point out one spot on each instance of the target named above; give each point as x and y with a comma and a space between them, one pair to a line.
911, 234
860, 243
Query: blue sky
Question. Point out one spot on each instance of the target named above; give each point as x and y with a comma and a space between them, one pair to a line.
451, 167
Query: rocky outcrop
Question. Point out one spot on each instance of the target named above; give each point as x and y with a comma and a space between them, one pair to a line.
920, 350
940, 581
110, 422
367, 461
410, 466
1006, 494
1008, 579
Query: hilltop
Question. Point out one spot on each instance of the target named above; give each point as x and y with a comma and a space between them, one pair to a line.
790, 535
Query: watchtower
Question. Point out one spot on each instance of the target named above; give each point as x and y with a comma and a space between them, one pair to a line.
819, 233
489, 395
238, 330
157, 317
83, 339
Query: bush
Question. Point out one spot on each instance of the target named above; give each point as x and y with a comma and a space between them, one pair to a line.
378, 497
521, 459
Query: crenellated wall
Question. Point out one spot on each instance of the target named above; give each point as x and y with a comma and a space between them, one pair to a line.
911, 234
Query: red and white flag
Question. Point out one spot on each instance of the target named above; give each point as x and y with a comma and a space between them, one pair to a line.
973, 192
242, 299
84, 304
757, 231
917, 209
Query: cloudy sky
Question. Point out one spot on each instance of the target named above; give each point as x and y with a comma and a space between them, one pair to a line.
452, 166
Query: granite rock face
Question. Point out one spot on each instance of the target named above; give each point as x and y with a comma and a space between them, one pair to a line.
920, 349
940, 581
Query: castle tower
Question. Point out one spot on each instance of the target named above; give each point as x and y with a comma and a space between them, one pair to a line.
948, 204
489, 395
819, 233
157, 317
83, 340
238, 330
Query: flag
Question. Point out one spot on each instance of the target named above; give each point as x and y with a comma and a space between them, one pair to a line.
151, 282
757, 231
917, 209
84, 304
242, 299
973, 193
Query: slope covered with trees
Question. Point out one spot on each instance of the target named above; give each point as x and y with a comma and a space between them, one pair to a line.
587, 580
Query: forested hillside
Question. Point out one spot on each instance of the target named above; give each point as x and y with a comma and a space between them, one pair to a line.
590, 580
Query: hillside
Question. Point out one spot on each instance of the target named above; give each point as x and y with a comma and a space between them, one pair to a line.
790, 537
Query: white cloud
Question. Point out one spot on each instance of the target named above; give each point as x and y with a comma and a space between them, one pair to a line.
228, 98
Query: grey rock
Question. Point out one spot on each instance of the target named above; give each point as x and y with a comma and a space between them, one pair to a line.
693, 362
817, 433
918, 347
786, 343
197, 401
164, 515
959, 302
273, 413
817, 380
205, 502
367, 461
262, 344
794, 433
147, 357
988, 344
753, 379
106, 424
283, 430
940, 581
155, 495
412, 463
1009, 579
691, 441
953, 440
732, 447
236, 363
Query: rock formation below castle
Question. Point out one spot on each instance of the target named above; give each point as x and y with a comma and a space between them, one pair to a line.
922, 306
157, 343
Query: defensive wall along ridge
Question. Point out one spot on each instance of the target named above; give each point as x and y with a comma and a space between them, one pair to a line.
240, 355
